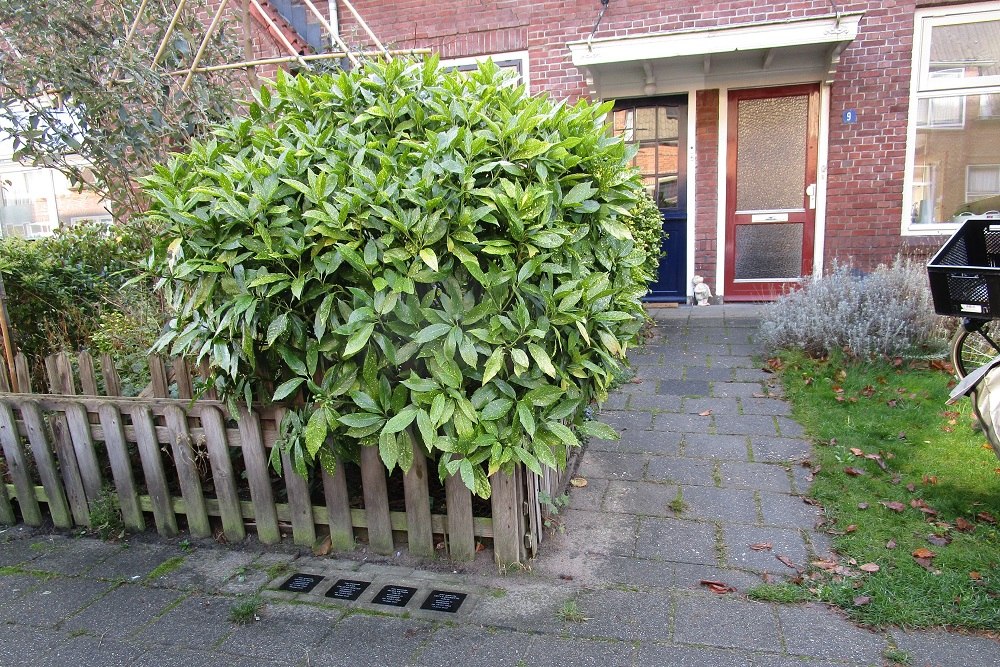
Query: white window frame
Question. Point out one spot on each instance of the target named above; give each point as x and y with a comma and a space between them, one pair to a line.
502, 59
925, 86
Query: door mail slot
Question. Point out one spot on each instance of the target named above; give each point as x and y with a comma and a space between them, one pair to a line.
769, 217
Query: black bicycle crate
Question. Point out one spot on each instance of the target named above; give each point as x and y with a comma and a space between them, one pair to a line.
965, 273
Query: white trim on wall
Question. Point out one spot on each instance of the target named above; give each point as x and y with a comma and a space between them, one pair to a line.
692, 178
723, 156
822, 156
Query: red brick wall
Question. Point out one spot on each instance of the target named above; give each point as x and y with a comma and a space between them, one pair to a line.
706, 200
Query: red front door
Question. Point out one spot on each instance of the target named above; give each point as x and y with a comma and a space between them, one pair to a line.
770, 190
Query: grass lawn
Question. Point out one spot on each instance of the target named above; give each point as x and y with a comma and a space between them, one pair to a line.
911, 493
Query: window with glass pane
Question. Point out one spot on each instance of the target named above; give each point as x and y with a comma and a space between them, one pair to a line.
656, 131
956, 105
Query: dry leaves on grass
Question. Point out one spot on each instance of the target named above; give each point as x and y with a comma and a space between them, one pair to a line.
870, 568
761, 546
893, 505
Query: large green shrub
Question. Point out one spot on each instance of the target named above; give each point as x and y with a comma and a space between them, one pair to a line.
411, 257
646, 224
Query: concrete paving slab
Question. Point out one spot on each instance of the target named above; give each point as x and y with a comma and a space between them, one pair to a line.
680, 470
123, 611
766, 476
552, 652
208, 570
52, 601
753, 374
737, 389
371, 640
678, 387
285, 633
14, 587
588, 497
943, 649
189, 658
17, 552
732, 361
726, 505
73, 557
599, 532
837, 638
783, 510
789, 428
655, 402
784, 542
765, 406
753, 425
688, 576
690, 656
525, 606
641, 572
24, 645
628, 421
474, 647
717, 406
714, 620
682, 423
92, 650
702, 445
611, 465
770, 450
696, 373
133, 561
198, 622
624, 615
677, 540
616, 401
644, 442
640, 384
643, 498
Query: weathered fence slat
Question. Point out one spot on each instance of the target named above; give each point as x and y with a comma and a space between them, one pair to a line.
121, 467
508, 528
54, 493
222, 473
303, 526
64, 375
83, 445
338, 507
23, 373
76, 493
158, 376
7, 517
182, 376
5, 375
187, 472
152, 469
420, 536
112, 383
14, 453
255, 458
461, 529
88, 380
376, 501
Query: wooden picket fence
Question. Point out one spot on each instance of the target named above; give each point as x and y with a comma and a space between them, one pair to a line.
168, 456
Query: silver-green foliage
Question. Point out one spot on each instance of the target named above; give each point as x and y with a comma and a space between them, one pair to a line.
887, 312
413, 258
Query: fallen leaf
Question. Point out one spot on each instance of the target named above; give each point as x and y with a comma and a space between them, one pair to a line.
717, 586
923, 552
854, 472
891, 544
824, 564
964, 525
926, 564
578, 482
861, 600
987, 517
891, 403
787, 561
868, 391
870, 568
760, 395
857, 452
323, 548
975, 576
705, 413
939, 540
851, 528
761, 546
479, 547
910, 487
894, 505
862, 506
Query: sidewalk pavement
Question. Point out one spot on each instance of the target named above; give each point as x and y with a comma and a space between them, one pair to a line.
708, 465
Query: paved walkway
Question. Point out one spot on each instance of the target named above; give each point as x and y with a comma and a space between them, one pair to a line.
707, 466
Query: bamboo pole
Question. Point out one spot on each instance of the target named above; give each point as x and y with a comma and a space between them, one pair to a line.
287, 59
364, 25
212, 27
248, 45
169, 32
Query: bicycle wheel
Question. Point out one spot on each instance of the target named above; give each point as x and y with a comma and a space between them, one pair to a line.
974, 345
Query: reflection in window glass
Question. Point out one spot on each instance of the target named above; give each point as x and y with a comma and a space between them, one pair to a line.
975, 46
656, 130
